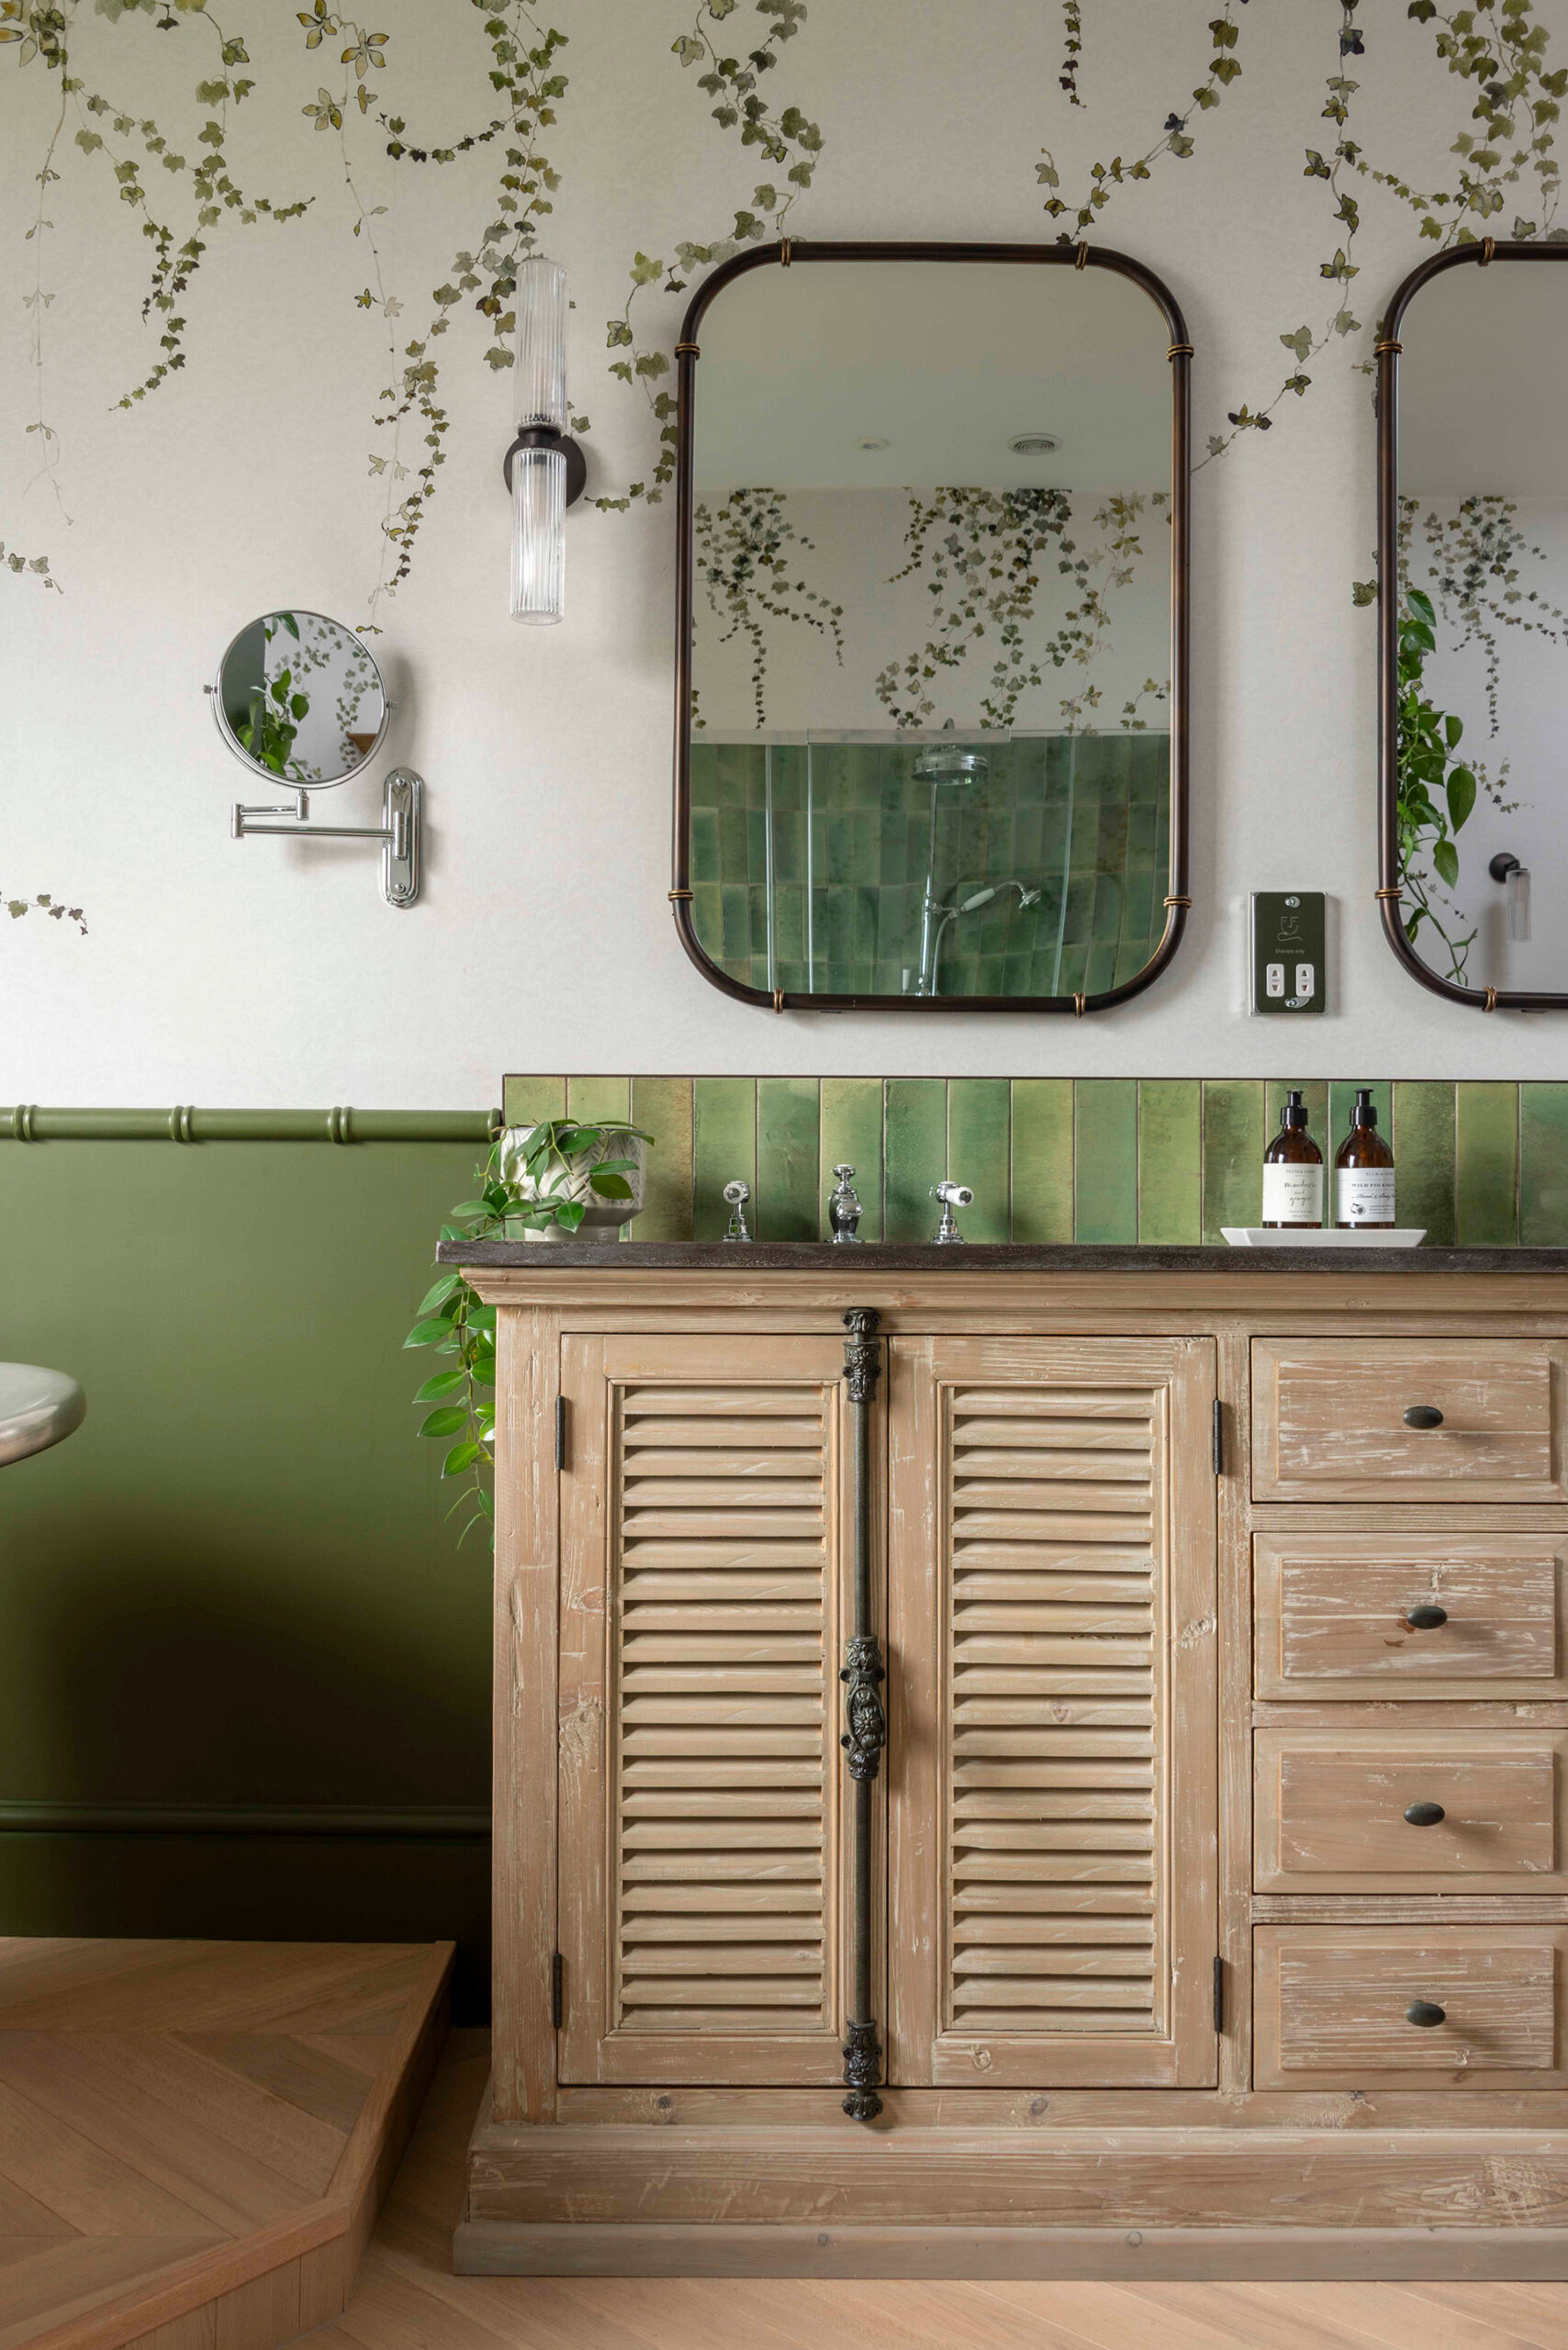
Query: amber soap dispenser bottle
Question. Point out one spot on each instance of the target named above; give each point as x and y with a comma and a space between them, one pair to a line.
1293, 1172
1363, 1174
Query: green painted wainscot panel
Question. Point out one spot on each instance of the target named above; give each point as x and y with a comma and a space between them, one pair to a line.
230, 1601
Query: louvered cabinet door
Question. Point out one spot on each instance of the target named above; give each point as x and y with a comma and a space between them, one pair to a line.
702, 1608
1052, 1760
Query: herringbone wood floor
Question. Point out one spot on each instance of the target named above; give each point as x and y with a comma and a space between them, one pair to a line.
409, 2300
162, 2102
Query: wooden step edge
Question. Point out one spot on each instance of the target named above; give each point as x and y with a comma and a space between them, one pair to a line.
338, 2227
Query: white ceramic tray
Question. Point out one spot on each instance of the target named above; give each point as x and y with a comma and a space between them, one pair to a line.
1262, 1236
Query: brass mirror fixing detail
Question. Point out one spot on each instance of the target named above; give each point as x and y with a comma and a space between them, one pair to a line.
931, 678
1472, 626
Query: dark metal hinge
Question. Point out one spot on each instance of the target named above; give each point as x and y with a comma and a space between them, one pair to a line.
1219, 1994
1218, 1428
557, 1990
560, 1431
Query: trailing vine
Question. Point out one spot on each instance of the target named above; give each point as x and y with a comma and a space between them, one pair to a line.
54, 908
787, 140
37, 565
1073, 48
986, 550
1474, 573
743, 556
1435, 792
1175, 138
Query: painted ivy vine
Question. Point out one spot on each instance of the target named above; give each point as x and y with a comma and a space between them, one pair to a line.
55, 908
1474, 569
786, 138
984, 551
746, 549
1175, 138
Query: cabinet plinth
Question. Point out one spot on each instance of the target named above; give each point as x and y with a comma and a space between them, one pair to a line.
950, 1813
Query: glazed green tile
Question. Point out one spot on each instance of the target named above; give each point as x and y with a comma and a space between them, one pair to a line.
1423, 1141
1105, 1170
1341, 1100
662, 1107
704, 840
979, 1152
1233, 1154
597, 1100
916, 1155
1486, 1167
788, 1134
1169, 1160
1314, 1092
1543, 1166
526, 1099
851, 1136
723, 1146
1041, 1159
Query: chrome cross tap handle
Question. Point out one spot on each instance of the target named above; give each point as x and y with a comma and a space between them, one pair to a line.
952, 1195
737, 1193
844, 1210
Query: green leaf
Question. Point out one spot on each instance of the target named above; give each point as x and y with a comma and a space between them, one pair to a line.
445, 1288
425, 1334
1461, 795
608, 1186
482, 1317
1445, 857
445, 1382
570, 1214
446, 1422
461, 1457
1452, 728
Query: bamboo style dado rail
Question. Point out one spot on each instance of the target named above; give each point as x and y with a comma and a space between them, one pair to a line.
28, 1122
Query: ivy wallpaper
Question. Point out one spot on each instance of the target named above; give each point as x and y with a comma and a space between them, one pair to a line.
262, 261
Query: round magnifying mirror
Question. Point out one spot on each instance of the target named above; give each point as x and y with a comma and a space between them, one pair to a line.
299, 698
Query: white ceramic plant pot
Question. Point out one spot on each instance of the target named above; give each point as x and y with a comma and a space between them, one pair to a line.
603, 1219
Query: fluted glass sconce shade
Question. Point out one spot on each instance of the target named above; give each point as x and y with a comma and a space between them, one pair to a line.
545, 467
538, 534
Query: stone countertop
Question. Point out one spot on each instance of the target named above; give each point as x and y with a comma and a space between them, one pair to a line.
982, 1257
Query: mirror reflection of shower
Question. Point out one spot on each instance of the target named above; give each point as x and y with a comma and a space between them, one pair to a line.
955, 767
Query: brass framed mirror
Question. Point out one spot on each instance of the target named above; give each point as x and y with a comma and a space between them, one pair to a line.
932, 634
1473, 625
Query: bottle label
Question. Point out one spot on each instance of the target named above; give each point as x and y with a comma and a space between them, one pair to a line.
1293, 1194
1363, 1195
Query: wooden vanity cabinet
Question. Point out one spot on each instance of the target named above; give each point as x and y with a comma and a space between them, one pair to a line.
1203, 1910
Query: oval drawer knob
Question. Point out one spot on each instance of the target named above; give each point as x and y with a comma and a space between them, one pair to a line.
1424, 2012
1423, 1415
1426, 1619
1424, 1814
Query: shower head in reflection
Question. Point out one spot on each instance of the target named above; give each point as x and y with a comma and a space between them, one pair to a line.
938, 918
942, 766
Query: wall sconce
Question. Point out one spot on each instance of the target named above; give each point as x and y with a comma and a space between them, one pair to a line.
1506, 867
545, 468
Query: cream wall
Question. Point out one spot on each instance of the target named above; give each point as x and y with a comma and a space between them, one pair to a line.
262, 973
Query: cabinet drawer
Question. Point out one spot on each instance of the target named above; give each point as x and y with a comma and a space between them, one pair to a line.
1332, 1615
1331, 1804
1334, 2005
1328, 1419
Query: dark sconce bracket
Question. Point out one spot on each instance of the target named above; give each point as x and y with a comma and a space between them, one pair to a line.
545, 436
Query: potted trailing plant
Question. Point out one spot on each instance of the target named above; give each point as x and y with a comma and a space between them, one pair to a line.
563, 1162
571, 1181
1427, 824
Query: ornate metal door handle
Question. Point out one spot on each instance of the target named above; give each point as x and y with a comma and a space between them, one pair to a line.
866, 1731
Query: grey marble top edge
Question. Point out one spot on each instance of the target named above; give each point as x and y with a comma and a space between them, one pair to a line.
1009, 1257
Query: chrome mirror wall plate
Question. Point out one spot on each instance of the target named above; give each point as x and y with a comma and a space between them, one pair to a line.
299, 700
1473, 624
932, 745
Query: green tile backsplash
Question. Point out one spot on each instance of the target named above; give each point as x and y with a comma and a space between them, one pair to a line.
1101, 1159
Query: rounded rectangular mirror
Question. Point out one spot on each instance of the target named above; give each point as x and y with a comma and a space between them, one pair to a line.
1472, 591
931, 742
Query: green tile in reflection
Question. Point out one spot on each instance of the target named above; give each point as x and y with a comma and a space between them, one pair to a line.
1170, 1161
787, 1116
1105, 1158
724, 1146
